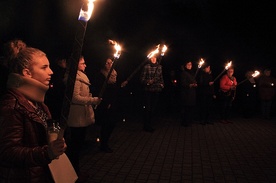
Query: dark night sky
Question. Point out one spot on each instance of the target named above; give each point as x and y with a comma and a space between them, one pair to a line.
218, 30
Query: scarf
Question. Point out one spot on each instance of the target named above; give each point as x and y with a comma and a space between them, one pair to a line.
29, 87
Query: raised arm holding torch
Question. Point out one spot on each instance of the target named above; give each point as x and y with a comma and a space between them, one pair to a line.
84, 16
164, 49
74, 149
116, 56
255, 74
226, 68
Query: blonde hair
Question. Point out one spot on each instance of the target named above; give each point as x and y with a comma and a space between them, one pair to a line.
25, 59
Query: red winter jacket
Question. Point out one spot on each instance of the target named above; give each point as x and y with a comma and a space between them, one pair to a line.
226, 83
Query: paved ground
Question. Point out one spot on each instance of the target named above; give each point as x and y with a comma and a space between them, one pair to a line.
242, 152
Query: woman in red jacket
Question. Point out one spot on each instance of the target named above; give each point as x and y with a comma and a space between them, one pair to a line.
228, 84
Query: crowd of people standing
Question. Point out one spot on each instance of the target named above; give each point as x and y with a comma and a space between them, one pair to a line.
29, 83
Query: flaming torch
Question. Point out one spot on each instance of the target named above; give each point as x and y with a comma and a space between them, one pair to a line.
154, 52
84, 16
151, 54
201, 62
225, 68
255, 74
116, 55
164, 49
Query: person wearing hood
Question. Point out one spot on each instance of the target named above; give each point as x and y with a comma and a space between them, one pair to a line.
188, 87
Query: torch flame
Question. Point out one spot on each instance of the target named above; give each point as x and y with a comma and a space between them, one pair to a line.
151, 54
164, 49
228, 65
112, 42
86, 10
255, 74
118, 50
201, 62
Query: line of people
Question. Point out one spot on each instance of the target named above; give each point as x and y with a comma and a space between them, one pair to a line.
24, 116
199, 96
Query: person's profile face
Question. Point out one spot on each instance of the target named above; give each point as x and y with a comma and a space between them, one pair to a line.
40, 70
81, 65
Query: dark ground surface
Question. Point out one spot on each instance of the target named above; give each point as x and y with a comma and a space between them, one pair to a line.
244, 151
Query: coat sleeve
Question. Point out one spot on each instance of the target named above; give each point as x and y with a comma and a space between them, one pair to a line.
15, 150
161, 79
143, 77
77, 98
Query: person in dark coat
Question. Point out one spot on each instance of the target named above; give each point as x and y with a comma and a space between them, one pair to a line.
106, 114
248, 95
206, 94
153, 84
188, 87
25, 149
266, 87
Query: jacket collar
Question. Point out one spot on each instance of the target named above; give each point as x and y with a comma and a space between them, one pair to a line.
29, 87
82, 77
22, 104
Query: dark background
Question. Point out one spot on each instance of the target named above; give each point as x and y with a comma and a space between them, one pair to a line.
217, 30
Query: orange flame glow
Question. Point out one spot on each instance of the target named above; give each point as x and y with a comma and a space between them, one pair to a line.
118, 51
228, 65
255, 74
151, 54
201, 62
164, 49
